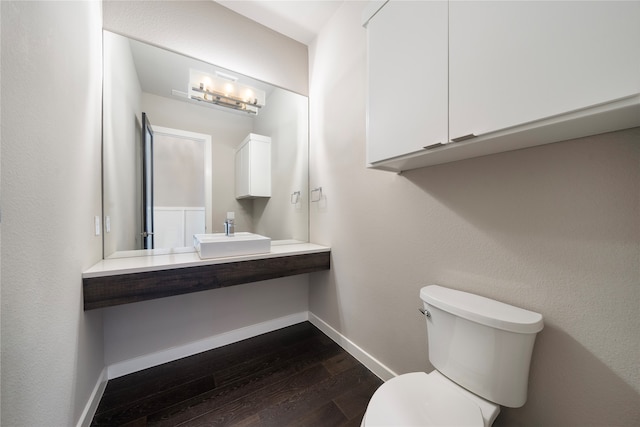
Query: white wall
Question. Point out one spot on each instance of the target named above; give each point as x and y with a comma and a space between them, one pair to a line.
286, 121
142, 329
207, 31
554, 229
122, 146
210, 32
52, 354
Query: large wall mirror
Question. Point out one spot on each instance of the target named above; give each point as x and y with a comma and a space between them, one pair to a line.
171, 129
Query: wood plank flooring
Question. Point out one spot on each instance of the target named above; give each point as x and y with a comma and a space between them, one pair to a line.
295, 376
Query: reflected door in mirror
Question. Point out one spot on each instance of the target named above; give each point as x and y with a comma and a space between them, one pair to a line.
180, 205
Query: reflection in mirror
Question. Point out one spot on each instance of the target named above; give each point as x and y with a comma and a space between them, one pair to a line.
188, 184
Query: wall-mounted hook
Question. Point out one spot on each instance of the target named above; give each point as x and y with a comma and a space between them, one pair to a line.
316, 190
295, 197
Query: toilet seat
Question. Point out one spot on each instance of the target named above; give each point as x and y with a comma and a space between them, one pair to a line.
421, 399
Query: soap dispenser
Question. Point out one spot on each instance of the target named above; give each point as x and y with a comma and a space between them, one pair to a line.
229, 227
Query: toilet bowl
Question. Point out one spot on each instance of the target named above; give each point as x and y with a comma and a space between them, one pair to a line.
421, 399
481, 350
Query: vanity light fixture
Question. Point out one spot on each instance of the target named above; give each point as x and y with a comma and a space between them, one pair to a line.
224, 90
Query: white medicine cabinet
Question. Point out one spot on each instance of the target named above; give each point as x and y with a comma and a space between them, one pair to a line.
449, 80
253, 167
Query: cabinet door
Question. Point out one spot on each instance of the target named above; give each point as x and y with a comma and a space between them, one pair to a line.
516, 62
260, 169
407, 82
242, 171
253, 170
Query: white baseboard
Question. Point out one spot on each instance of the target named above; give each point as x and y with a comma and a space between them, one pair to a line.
374, 365
154, 359
92, 405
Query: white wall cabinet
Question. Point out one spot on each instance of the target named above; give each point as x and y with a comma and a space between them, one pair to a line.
253, 167
518, 74
407, 88
517, 62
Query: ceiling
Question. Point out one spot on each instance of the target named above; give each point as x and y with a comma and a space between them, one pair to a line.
300, 20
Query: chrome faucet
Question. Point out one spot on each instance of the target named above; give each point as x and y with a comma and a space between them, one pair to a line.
229, 227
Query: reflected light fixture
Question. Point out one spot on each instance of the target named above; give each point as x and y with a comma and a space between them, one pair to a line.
224, 90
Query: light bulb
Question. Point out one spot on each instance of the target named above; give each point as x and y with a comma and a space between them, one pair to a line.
206, 82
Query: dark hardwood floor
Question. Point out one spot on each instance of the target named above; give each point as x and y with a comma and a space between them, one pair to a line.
294, 376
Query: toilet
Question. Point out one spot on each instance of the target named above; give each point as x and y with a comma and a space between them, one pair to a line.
481, 350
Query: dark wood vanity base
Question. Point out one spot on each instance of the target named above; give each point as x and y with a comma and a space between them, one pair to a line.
106, 291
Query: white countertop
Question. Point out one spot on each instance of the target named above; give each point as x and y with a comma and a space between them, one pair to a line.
139, 264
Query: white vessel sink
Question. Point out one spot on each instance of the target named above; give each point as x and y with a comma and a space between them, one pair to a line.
219, 245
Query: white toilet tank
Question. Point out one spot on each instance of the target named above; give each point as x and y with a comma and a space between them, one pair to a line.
481, 344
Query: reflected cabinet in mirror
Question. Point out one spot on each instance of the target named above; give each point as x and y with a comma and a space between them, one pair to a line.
173, 131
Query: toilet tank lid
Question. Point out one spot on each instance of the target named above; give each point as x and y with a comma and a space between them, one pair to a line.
482, 310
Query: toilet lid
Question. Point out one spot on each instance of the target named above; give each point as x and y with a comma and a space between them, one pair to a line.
418, 399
